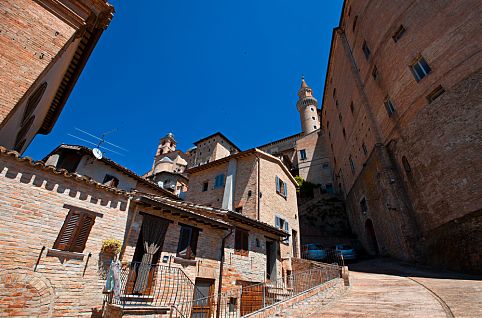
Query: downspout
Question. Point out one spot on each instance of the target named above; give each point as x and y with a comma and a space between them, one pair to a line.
259, 188
220, 279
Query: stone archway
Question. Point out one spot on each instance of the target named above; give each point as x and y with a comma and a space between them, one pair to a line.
25, 293
371, 237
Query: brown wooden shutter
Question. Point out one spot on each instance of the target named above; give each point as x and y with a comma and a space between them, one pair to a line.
83, 231
74, 232
67, 233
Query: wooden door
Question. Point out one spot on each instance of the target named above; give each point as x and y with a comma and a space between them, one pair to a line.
251, 296
203, 305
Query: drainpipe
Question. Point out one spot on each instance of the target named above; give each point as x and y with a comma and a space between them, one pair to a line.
220, 279
259, 188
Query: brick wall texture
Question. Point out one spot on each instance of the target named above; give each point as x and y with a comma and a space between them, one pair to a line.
32, 212
30, 38
246, 192
416, 168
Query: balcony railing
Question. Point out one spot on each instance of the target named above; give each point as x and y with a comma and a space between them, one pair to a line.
244, 300
152, 285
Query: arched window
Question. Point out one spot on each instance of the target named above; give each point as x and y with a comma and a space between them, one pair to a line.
22, 133
33, 101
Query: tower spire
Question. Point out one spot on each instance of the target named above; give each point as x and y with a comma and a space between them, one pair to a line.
307, 107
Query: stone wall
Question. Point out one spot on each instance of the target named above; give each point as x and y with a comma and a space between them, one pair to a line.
416, 168
35, 278
316, 168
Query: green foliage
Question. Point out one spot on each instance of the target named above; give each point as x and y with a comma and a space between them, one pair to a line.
111, 246
299, 180
305, 187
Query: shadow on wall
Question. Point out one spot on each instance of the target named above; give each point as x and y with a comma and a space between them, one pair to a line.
457, 245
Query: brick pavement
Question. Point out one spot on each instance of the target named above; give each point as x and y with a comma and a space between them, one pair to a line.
386, 288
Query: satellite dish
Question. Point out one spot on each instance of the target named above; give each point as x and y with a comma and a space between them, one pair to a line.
160, 184
97, 153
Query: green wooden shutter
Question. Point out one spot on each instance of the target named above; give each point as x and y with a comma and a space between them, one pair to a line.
278, 186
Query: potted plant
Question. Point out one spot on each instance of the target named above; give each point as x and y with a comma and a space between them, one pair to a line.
111, 246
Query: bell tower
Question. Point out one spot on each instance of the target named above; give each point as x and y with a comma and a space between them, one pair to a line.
307, 106
167, 144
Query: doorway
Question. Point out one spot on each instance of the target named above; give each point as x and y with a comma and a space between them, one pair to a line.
143, 270
203, 298
271, 252
371, 237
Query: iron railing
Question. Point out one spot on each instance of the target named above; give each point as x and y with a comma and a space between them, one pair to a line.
243, 300
152, 285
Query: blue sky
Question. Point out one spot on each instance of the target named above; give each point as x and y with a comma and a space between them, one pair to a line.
194, 68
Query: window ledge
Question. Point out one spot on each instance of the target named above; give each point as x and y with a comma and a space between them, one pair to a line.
65, 254
184, 261
241, 254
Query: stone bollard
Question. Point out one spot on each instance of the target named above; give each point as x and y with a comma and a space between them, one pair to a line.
345, 274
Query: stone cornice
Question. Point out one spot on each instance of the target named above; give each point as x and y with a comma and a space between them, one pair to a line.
80, 13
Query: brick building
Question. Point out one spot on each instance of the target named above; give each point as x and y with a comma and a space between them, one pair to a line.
258, 186
81, 160
401, 107
44, 45
54, 222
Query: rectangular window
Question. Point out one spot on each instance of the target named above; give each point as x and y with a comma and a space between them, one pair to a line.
352, 165
366, 50
282, 224
420, 68
281, 187
325, 165
219, 181
241, 242
75, 232
303, 154
205, 186
398, 34
389, 106
187, 245
435, 94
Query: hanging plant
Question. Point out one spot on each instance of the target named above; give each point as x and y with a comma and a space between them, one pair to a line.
111, 246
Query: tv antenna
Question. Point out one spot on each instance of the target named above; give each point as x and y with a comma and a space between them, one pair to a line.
96, 151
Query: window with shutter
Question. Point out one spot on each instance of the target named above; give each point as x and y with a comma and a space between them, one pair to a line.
287, 230
75, 232
277, 222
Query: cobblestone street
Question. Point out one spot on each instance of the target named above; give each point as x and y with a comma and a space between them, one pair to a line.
384, 288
